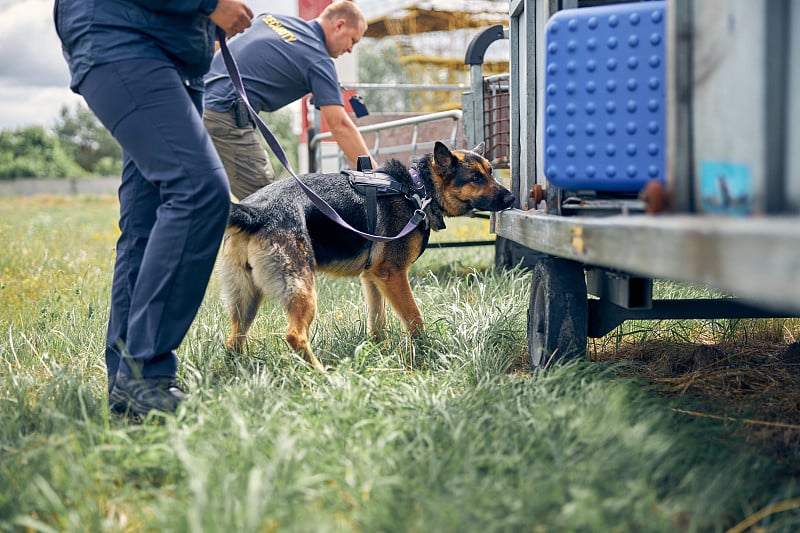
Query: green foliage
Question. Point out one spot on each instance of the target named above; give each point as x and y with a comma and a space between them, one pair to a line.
440, 435
80, 146
33, 152
280, 124
88, 142
378, 62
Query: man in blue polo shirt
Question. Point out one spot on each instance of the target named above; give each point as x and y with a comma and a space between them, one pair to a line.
281, 59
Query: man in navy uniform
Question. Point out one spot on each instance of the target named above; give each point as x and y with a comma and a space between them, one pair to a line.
139, 64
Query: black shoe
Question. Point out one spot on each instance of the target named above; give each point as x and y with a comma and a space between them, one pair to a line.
140, 396
115, 408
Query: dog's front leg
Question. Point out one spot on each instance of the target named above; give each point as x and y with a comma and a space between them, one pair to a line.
376, 307
393, 284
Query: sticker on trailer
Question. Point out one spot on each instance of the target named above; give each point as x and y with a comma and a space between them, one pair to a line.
725, 187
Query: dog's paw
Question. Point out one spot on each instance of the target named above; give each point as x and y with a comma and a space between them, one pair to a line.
312, 362
422, 349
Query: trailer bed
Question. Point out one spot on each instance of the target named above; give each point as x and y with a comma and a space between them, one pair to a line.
757, 259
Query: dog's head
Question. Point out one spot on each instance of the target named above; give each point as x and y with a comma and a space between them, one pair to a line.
464, 181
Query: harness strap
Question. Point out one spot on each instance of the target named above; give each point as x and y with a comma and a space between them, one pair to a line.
383, 183
419, 195
372, 208
322, 205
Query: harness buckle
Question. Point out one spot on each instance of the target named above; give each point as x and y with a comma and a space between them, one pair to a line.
363, 163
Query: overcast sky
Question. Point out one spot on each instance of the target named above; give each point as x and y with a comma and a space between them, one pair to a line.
34, 78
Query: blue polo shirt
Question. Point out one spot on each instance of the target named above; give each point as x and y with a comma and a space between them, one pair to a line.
280, 59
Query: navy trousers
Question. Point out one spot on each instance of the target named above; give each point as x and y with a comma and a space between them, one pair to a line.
174, 201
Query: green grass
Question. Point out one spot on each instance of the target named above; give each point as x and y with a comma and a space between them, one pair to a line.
393, 438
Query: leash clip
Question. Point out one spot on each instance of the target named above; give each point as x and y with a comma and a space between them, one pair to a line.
416, 200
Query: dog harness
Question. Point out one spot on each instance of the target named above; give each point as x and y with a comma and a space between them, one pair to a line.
374, 183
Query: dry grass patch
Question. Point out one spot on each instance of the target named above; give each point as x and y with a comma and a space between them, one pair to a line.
750, 380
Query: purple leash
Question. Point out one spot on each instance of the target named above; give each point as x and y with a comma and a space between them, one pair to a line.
322, 205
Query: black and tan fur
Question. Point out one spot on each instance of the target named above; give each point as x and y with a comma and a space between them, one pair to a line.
277, 239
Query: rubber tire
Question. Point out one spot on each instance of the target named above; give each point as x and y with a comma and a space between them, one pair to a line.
558, 313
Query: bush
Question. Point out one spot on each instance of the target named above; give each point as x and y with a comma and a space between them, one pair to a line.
33, 152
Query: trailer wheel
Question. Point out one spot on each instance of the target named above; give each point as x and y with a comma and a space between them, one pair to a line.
558, 312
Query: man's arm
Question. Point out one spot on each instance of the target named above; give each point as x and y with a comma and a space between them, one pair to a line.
345, 133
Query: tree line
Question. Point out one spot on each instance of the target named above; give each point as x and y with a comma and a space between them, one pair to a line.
78, 146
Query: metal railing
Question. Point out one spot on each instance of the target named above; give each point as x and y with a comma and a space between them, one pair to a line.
415, 146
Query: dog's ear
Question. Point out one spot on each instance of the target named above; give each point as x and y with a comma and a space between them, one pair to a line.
442, 155
480, 149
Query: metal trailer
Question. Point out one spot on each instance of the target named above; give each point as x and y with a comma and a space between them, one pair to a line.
648, 140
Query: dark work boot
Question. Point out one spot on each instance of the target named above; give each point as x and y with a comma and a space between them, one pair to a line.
139, 396
115, 408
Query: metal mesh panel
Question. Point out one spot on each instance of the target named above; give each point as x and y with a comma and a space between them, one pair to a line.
496, 108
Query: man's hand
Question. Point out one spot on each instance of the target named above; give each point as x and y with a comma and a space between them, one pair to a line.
233, 16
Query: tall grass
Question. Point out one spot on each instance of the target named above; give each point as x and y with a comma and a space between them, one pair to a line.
444, 435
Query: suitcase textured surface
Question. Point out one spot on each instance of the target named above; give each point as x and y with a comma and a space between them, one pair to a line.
604, 115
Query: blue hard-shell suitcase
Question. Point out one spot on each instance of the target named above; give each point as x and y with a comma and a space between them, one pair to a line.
604, 116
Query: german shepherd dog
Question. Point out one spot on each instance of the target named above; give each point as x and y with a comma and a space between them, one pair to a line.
277, 238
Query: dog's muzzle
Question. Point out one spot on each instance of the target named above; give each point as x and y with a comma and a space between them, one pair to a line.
503, 200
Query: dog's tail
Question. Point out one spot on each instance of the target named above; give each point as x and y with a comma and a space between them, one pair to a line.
243, 217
